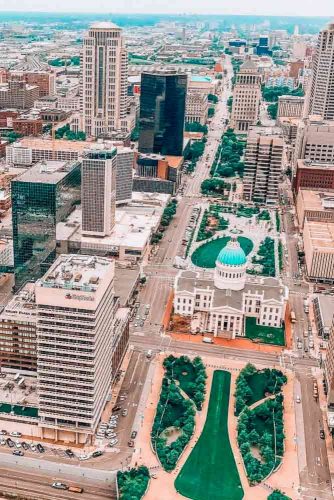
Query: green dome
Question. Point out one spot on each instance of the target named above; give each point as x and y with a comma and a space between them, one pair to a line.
232, 254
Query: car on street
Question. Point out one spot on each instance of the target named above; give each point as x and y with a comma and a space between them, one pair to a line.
59, 486
133, 434
113, 442
40, 448
18, 453
3, 442
83, 456
131, 443
298, 400
3, 433
322, 434
69, 453
25, 445
124, 412
18, 444
116, 408
10, 443
97, 453
16, 434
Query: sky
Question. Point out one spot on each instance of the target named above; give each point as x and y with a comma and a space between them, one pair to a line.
255, 7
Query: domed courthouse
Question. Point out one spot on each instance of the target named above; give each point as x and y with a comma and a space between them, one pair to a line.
220, 305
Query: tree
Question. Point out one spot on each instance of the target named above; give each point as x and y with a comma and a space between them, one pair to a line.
213, 98
277, 495
211, 112
272, 110
196, 127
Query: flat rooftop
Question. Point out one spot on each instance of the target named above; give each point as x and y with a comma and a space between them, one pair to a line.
317, 200
125, 282
314, 165
326, 304
76, 272
11, 393
321, 235
47, 172
22, 306
56, 145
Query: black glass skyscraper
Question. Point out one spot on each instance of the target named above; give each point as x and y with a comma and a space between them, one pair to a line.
162, 111
41, 197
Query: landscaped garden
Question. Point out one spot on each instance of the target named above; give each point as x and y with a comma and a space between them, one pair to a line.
261, 429
265, 258
133, 484
182, 392
211, 223
210, 471
206, 255
253, 385
264, 334
278, 495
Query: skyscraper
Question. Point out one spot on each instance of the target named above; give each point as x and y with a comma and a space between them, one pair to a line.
124, 175
162, 112
263, 167
104, 80
246, 97
76, 306
41, 197
99, 192
321, 92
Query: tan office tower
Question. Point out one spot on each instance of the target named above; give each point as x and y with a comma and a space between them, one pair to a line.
76, 306
98, 192
263, 167
246, 98
321, 93
314, 141
104, 80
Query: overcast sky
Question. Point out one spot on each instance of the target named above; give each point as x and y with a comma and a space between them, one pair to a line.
261, 7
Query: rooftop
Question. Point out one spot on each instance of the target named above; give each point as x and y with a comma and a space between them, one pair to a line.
47, 172
76, 272
22, 306
321, 235
326, 305
104, 25
316, 200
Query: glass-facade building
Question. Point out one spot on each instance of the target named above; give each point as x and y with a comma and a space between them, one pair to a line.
162, 113
41, 197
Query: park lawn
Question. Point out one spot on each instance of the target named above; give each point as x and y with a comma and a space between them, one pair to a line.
264, 334
206, 255
257, 382
210, 471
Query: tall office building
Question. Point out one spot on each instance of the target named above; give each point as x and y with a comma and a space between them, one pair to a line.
321, 93
124, 175
162, 112
263, 167
104, 80
76, 307
98, 192
41, 197
314, 141
246, 98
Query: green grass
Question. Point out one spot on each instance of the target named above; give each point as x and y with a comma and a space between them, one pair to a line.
206, 255
210, 471
258, 383
264, 334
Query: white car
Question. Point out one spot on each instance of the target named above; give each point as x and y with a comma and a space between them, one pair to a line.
33, 447
16, 434
111, 435
3, 442
59, 486
84, 457
113, 442
18, 445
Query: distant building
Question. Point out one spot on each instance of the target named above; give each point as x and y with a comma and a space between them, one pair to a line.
157, 173
313, 175
104, 81
290, 107
323, 306
319, 251
44, 80
315, 206
18, 94
162, 113
124, 175
98, 192
42, 196
246, 98
315, 141
321, 97
263, 167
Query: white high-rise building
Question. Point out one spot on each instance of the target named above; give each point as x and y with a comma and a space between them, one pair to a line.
76, 306
104, 80
321, 93
98, 192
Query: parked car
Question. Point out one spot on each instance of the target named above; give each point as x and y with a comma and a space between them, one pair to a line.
25, 445
18, 444
124, 412
116, 408
113, 442
84, 456
322, 434
3, 442
97, 453
131, 443
18, 453
59, 486
3, 433
10, 443
16, 434
40, 448
33, 447
69, 453
111, 435
133, 434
